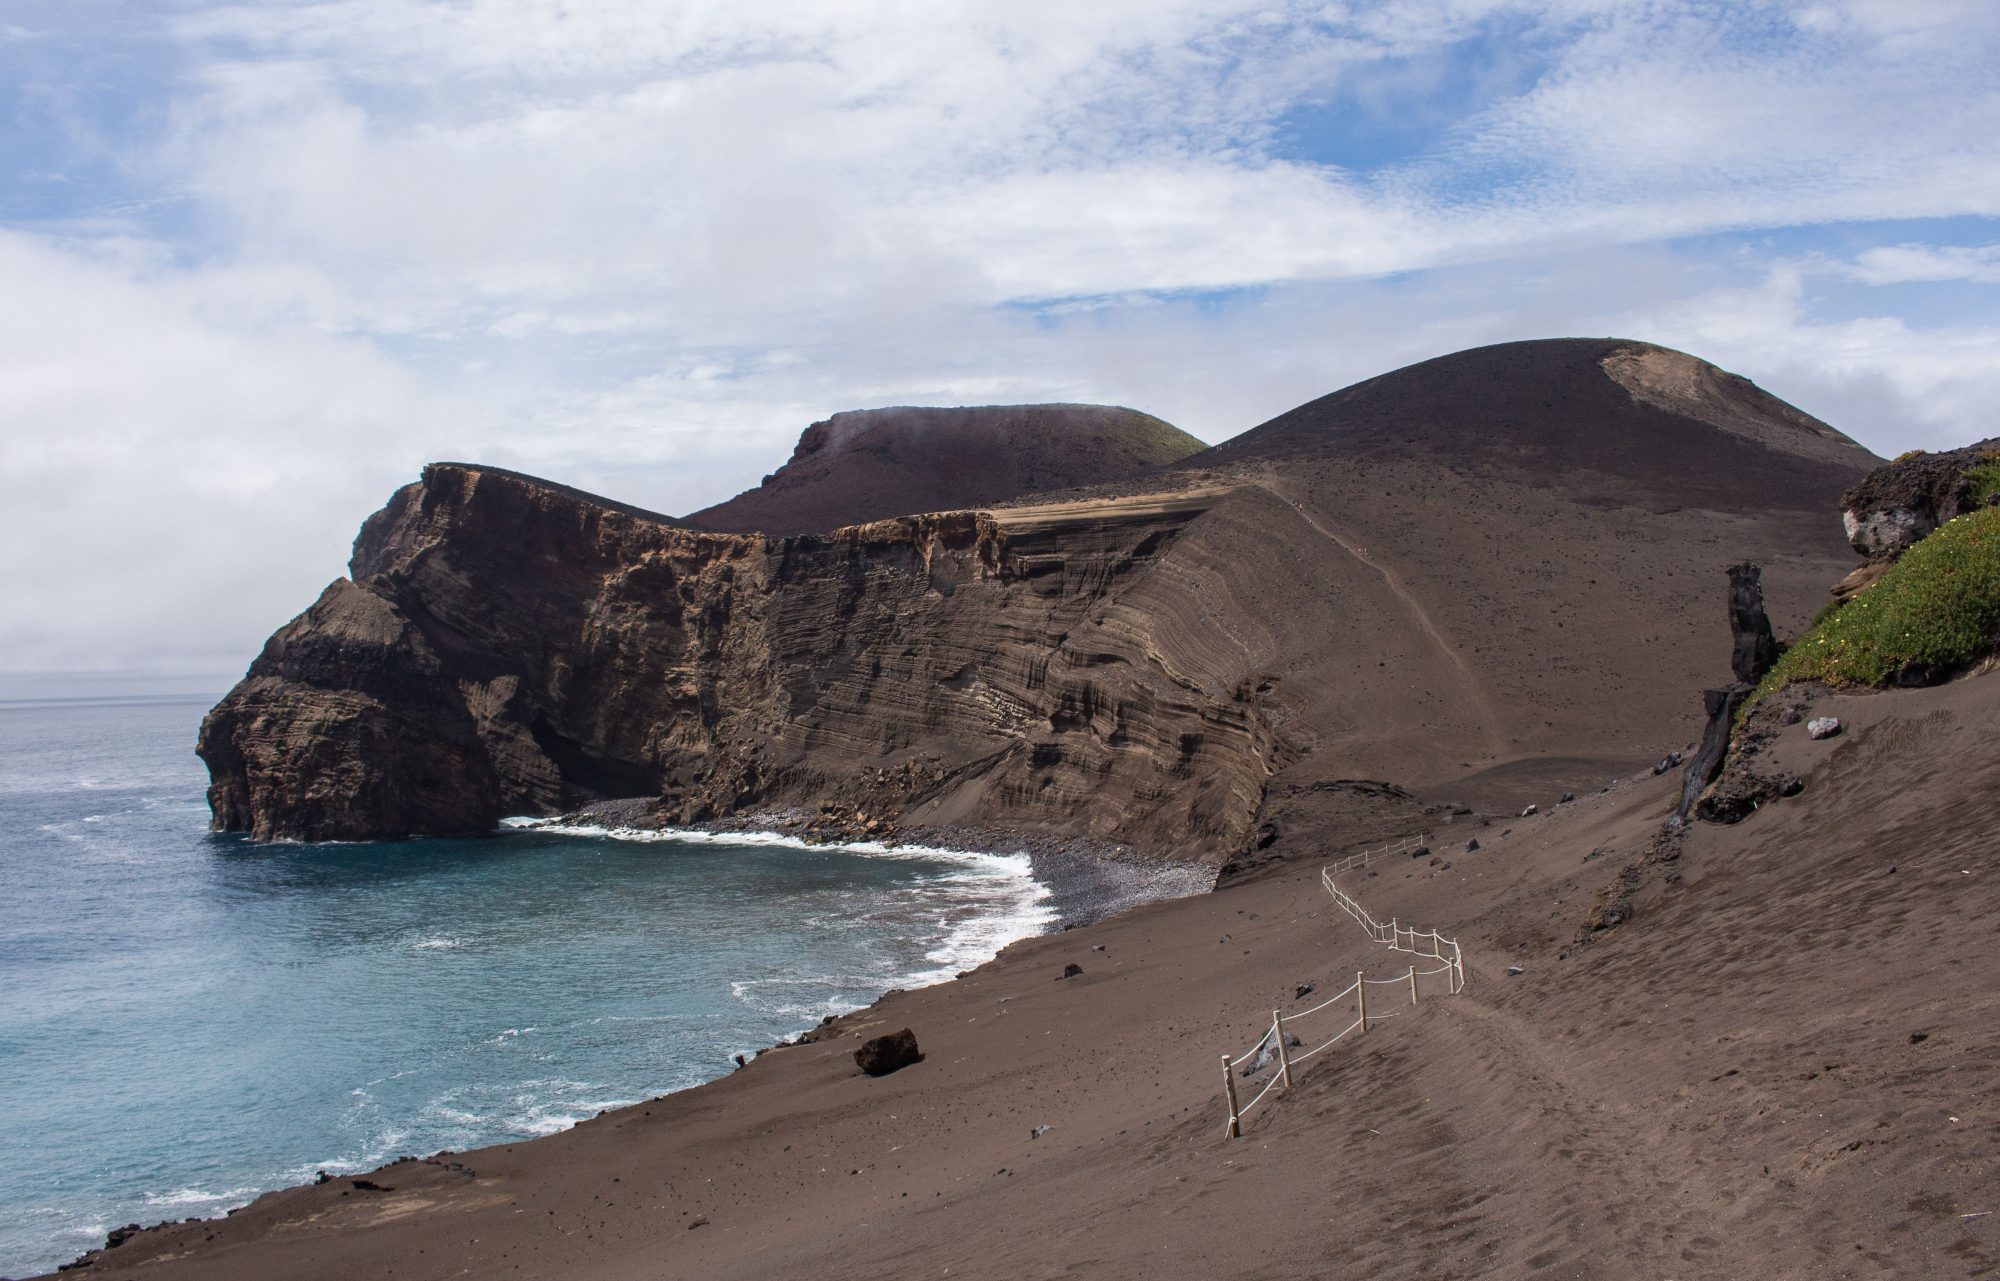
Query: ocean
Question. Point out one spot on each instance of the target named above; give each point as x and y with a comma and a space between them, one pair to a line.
189, 1019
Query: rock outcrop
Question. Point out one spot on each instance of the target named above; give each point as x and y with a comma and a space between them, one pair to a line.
1486, 579
1754, 648
505, 646
1894, 507
871, 464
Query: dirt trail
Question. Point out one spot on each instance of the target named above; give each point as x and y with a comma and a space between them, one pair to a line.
1616, 1189
1470, 686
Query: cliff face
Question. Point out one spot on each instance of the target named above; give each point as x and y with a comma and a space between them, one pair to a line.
871, 464
1490, 583
505, 646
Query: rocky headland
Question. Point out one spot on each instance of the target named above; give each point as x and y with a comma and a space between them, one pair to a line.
1461, 582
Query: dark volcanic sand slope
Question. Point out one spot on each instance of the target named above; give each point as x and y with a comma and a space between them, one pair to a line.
1451, 603
870, 464
1783, 1066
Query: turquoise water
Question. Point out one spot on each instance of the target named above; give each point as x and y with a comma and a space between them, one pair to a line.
188, 1019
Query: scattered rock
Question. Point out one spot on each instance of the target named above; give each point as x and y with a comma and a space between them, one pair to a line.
890, 1053
1070, 971
1039, 1131
741, 1061
1567, 797
1918, 1038
370, 1185
1823, 726
1267, 1053
698, 1223
1472, 846
1670, 761
1528, 811
1302, 991
1097, 947
1514, 970
119, 1236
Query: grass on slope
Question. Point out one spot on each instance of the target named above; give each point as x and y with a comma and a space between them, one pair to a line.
1939, 604
1985, 479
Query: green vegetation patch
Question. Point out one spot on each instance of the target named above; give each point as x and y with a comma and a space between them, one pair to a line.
1938, 605
1985, 479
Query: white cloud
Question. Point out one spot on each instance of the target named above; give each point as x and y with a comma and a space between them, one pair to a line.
638, 246
163, 470
1901, 264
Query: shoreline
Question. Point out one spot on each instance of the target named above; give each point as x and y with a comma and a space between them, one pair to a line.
1088, 881
1576, 1111
1082, 887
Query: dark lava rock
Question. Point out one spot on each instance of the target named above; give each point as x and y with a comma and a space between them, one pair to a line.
1721, 705
1895, 506
1072, 970
1302, 991
1740, 793
1472, 846
1917, 674
890, 1053
1755, 648
119, 1236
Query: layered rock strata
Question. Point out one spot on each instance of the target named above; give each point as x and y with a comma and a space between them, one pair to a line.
1485, 579
505, 646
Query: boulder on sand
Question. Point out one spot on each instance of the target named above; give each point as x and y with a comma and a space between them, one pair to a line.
886, 1054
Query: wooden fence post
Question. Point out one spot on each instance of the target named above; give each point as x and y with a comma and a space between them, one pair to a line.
1361, 997
1413, 984
1458, 964
1229, 1092
1284, 1055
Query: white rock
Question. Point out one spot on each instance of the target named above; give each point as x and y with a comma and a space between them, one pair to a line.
1823, 727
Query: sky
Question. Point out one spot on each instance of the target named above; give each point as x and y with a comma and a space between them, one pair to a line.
261, 261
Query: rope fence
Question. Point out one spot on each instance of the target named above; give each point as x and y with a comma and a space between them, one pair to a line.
1353, 1009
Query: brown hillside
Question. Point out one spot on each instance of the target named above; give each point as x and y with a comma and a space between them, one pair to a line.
1409, 582
870, 464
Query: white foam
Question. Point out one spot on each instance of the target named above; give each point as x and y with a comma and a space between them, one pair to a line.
197, 1196
1003, 901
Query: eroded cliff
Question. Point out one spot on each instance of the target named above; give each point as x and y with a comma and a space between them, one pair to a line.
1487, 578
507, 646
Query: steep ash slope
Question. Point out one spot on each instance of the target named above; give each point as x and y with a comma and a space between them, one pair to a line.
1507, 589
870, 464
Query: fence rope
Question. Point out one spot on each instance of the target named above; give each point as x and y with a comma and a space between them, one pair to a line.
1271, 1047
